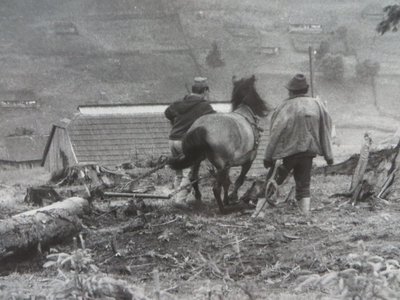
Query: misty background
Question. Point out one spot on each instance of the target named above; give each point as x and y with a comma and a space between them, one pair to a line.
58, 54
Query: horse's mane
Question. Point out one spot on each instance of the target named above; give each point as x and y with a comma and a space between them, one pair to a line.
244, 92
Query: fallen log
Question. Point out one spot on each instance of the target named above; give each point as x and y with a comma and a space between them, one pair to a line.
348, 166
390, 189
361, 188
375, 174
27, 231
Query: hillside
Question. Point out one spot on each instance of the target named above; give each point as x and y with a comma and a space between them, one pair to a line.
58, 54
68, 53
90, 51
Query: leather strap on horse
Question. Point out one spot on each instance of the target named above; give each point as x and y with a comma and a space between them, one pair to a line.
254, 125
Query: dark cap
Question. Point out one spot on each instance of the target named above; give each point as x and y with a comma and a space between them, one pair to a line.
298, 82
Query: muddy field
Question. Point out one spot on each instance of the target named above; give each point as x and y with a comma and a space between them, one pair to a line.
201, 254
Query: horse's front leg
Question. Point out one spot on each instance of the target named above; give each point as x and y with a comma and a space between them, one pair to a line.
194, 179
233, 197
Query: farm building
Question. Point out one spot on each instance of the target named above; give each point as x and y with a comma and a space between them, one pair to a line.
21, 152
242, 31
65, 28
270, 44
18, 99
309, 30
373, 12
109, 135
268, 50
313, 23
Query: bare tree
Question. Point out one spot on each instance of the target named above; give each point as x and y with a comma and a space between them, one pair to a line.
21, 131
214, 57
366, 72
342, 35
322, 50
332, 67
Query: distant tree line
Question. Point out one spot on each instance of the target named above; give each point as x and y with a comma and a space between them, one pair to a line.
22, 131
332, 65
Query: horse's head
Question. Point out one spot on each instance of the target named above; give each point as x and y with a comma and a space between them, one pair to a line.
244, 92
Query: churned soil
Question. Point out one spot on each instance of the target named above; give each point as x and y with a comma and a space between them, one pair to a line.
201, 254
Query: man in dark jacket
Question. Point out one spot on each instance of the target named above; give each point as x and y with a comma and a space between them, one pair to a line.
182, 115
300, 130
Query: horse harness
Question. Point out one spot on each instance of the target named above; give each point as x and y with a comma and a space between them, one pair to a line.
254, 126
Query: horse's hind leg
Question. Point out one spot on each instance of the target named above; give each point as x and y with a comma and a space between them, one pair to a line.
226, 182
220, 180
233, 197
194, 179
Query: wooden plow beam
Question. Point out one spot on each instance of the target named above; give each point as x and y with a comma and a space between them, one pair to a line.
136, 195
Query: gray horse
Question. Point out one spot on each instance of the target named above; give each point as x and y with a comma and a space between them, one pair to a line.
226, 140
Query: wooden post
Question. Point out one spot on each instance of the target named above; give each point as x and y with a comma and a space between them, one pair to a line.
362, 163
188, 89
310, 57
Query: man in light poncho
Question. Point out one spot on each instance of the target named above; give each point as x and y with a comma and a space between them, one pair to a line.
300, 130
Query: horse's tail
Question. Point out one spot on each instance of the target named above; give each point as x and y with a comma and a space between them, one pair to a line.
194, 147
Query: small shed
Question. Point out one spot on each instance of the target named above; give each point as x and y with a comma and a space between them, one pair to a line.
270, 44
268, 50
110, 135
242, 31
22, 152
65, 28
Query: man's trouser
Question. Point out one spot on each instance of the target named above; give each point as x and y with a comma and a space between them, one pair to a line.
301, 166
181, 176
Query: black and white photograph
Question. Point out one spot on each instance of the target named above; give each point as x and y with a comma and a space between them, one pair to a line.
206, 150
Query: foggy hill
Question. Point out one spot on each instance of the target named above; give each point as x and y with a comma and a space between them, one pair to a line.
67, 53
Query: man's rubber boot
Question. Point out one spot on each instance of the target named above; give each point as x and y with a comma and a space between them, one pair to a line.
304, 205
